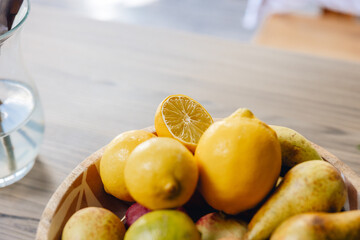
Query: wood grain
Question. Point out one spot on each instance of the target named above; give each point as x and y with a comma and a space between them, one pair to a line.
98, 79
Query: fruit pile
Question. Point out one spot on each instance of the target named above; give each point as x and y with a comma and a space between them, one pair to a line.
237, 178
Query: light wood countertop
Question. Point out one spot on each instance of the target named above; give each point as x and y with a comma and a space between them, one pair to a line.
98, 79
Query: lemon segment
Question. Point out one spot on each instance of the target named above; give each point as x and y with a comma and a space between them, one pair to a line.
182, 118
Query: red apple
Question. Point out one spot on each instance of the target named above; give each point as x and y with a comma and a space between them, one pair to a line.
136, 210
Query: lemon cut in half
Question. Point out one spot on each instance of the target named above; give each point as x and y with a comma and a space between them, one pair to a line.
182, 118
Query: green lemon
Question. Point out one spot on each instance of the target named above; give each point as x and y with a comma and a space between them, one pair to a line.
163, 225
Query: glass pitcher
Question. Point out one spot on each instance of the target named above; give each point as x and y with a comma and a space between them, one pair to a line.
21, 117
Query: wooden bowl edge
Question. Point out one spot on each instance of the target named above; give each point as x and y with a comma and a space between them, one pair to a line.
352, 180
49, 211
55, 199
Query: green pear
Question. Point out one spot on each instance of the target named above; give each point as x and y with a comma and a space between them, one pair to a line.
295, 148
312, 186
93, 223
320, 226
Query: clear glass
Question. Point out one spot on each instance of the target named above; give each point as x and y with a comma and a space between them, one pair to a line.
21, 117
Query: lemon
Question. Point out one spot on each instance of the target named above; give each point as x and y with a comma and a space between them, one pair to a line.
113, 161
163, 225
161, 173
182, 118
239, 162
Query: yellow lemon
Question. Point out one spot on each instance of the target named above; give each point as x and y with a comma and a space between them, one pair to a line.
161, 173
182, 118
239, 162
113, 161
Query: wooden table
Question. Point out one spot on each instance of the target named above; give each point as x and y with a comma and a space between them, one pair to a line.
98, 79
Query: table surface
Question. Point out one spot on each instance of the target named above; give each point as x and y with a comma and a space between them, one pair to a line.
98, 79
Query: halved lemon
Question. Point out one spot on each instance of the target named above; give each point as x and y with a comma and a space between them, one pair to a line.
183, 118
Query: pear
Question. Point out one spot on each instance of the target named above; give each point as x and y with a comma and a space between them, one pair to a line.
312, 186
295, 148
216, 226
320, 226
93, 223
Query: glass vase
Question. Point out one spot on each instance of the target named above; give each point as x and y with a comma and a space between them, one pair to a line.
21, 117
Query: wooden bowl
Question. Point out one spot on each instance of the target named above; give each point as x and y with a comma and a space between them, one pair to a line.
83, 188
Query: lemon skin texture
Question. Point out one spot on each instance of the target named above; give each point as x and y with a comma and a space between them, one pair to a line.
163, 225
239, 161
113, 162
161, 173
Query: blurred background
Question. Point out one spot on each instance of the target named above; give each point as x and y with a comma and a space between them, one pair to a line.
326, 28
